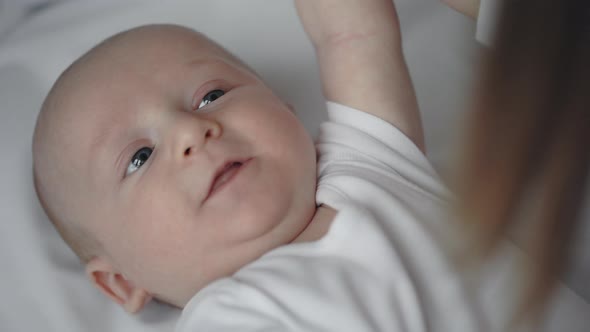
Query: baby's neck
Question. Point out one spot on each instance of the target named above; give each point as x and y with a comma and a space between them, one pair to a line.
318, 226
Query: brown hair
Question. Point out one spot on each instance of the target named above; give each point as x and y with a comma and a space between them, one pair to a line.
527, 153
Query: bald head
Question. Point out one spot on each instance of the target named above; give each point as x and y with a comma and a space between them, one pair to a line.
61, 137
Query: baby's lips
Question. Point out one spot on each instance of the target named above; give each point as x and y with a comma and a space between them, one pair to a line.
224, 173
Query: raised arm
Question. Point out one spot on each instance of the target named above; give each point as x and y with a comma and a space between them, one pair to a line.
358, 47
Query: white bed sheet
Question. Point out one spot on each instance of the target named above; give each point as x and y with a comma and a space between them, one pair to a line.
42, 284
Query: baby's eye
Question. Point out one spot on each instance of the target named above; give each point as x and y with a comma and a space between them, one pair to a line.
138, 159
210, 97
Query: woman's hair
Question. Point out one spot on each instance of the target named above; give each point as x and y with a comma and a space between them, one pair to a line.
527, 152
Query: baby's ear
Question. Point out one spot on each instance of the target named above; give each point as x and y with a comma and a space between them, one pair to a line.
116, 286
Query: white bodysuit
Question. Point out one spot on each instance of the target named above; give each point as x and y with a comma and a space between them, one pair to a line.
382, 266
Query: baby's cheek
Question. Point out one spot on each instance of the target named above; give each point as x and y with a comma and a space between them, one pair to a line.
145, 219
285, 129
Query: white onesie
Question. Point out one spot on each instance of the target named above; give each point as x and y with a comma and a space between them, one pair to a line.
383, 265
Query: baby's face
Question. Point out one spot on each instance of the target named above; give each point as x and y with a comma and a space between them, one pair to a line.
193, 167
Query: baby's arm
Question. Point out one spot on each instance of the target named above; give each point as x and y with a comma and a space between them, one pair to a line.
358, 46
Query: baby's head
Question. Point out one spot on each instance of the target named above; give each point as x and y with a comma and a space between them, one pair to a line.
166, 163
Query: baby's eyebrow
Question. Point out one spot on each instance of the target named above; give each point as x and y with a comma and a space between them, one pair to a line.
102, 136
202, 62
106, 134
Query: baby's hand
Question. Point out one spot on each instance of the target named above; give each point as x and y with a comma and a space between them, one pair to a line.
467, 7
358, 46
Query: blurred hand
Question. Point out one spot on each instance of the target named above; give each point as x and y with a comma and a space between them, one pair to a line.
466, 7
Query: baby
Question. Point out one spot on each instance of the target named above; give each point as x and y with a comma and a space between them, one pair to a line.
175, 173
161, 157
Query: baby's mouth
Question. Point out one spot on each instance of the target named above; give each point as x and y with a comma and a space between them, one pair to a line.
223, 175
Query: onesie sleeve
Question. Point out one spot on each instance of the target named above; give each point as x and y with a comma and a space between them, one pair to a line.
489, 12
357, 140
227, 306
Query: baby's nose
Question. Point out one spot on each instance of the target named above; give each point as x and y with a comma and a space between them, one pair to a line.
195, 134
